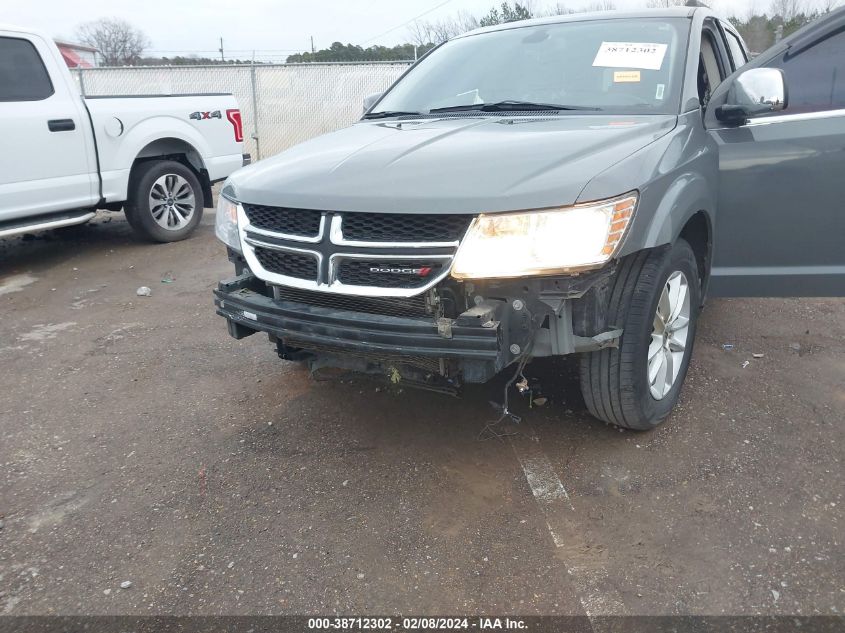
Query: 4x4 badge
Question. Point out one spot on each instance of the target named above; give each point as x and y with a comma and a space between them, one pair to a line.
199, 116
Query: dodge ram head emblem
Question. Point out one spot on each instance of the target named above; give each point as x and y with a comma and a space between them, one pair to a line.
199, 116
424, 271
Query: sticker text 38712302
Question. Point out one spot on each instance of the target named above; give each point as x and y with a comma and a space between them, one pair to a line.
644, 56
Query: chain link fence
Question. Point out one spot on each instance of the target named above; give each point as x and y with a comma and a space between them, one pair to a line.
281, 104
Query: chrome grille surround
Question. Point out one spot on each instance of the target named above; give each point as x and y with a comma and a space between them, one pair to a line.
329, 249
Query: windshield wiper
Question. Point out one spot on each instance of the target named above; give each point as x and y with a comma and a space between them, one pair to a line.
510, 105
498, 106
389, 113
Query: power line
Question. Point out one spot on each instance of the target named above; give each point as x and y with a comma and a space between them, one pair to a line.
406, 22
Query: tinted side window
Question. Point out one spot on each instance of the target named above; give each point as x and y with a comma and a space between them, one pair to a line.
815, 76
737, 51
23, 76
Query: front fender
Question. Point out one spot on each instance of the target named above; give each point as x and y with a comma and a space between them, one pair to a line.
689, 194
677, 176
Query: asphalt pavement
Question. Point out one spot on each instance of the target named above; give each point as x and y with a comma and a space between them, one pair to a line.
153, 465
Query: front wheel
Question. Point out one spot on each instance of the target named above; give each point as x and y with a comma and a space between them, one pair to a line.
165, 201
655, 299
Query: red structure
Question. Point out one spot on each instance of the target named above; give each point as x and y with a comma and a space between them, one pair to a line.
77, 55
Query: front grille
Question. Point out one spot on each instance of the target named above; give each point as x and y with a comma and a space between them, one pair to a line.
300, 222
362, 227
387, 274
399, 227
385, 254
289, 264
414, 307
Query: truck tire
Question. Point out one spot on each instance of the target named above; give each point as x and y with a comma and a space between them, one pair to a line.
165, 201
655, 298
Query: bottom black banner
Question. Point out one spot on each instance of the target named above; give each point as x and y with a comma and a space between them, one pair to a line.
369, 624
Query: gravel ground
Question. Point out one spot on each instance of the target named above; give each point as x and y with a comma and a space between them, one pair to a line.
142, 445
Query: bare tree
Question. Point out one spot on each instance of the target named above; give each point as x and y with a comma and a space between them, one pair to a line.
425, 32
662, 4
118, 42
599, 5
563, 8
464, 22
558, 8
420, 33
790, 9
442, 30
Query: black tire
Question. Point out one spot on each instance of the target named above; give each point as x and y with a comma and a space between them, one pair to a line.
139, 211
614, 382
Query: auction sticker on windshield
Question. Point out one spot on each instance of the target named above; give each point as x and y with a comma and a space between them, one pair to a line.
626, 76
630, 55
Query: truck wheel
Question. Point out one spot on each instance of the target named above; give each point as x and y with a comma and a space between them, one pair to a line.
165, 201
655, 299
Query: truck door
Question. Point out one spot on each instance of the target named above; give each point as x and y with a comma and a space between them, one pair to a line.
46, 163
780, 221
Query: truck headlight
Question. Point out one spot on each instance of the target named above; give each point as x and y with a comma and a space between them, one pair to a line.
544, 242
226, 223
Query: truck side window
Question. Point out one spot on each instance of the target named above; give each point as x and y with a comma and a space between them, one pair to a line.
23, 76
815, 76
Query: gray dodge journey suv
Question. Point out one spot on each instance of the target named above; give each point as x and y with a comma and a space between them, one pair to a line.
566, 185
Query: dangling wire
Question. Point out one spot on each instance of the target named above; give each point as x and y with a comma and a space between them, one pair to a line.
489, 431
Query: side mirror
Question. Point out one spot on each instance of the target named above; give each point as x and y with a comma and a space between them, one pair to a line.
755, 92
370, 100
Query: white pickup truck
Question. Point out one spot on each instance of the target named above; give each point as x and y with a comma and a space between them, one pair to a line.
64, 156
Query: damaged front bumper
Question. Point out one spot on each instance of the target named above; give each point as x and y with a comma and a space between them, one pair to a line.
497, 324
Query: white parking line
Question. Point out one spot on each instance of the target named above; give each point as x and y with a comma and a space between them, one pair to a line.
596, 593
546, 487
544, 481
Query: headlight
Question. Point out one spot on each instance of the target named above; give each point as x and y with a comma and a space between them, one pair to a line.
226, 223
544, 242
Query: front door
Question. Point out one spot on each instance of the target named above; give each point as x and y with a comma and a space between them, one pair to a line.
780, 223
46, 163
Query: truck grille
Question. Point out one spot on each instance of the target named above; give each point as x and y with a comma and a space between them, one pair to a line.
361, 254
410, 307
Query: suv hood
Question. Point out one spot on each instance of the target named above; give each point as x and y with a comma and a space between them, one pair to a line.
448, 165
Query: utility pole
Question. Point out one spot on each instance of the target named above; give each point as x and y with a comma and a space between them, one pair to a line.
313, 50
254, 84
222, 58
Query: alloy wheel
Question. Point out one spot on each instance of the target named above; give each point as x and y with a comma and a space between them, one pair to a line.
172, 202
669, 335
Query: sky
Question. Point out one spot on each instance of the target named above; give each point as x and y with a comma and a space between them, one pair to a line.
273, 28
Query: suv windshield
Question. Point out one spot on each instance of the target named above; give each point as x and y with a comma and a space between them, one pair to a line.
619, 66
